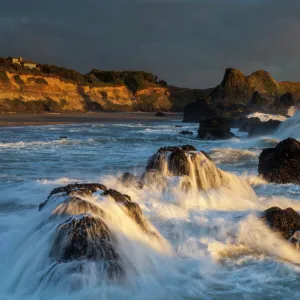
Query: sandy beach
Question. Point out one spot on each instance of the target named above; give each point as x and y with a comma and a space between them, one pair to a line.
12, 120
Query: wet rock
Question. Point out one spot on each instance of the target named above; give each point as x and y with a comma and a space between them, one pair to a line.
215, 128
129, 179
284, 221
284, 103
261, 103
186, 132
76, 189
200, 110
84, 237
245, 124
282, 163
177, 162
160, 114
260, 128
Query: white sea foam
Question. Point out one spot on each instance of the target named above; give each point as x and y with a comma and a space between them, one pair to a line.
266, 117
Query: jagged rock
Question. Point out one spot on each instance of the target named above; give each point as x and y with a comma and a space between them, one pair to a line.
282, 163
261, 103
234, 88
260, 127
284, 103
186, 132
160, 114
129, 179
76, 189
285, 221
215, 128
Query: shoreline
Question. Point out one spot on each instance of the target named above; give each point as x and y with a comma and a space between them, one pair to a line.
42, 119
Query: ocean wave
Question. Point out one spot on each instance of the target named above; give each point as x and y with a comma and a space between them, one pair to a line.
232, 156
266, 117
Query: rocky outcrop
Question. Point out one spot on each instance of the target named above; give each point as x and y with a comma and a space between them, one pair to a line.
258, 91
282, 163
86, 235
215, 128
192, 169
284, 221
234, 88
261, 103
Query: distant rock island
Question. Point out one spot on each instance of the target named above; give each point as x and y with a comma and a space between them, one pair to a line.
239, 95
26, 86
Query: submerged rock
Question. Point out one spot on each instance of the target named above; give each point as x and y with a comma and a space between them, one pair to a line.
186, 132
215, 128
284, 221
160, 114
282, 163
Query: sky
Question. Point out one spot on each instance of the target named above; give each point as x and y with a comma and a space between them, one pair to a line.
188, 43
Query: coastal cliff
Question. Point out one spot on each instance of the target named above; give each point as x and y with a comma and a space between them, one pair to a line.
56, 89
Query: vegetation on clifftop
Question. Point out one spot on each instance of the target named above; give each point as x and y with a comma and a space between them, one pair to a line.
134, 80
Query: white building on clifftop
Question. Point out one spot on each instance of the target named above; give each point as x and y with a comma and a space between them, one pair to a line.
25, 63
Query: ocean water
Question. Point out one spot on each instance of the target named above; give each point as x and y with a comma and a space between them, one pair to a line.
212, 245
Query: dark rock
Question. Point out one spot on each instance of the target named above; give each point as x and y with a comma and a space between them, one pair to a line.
176, 162
264, 127
282, 163
285, 221
186, 132
85, 237
63, 137
200, 110
261, 103
284, 103
215, 128
234, 88
129, 179
245, 124
160, 114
